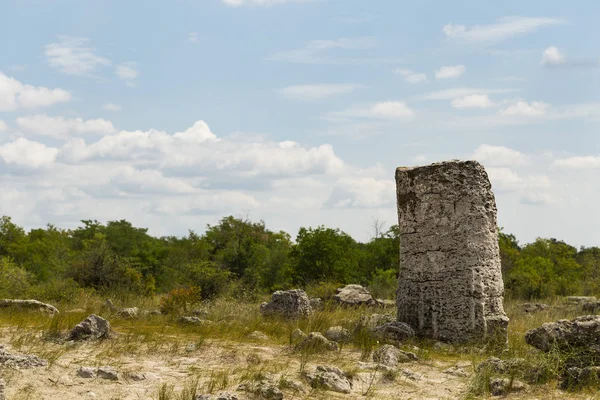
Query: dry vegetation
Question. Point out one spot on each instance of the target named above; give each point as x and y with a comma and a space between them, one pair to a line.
181, 361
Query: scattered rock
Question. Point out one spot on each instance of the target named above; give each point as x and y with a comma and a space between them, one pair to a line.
86, 372
412, 375
504, 386
581, 299
28, 304
591, 307
316, 303
391, 356
338, 334
576, 378
91, 328
186, 320
107, 373
316, 341
441, 346
2, 389
456, 370
531, 308
386, 303
263, 389
75, 311
394, 331
505, 367
297, 335
258, 335
355, 295
289, 304
137, 376
565, 335
296, 386
20, 361
374, 320
128, 313
222, 396
329, 378
450, 285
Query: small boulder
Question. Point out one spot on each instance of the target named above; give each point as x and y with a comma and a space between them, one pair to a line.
297, 335
316, 341
330, 378
316, 303
107, 373
91, 328
128, 313
394, 331
374, 320
289, 304
263, 390
391, 356
591, 307
20, 361
338, 334
581, 299
186, 320
504, 386
222, 396
86, 372
355, 295
29, 305
566, 335
575, 378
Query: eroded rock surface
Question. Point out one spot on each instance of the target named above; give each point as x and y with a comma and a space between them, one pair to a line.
355, 295
289, 304
395, 332
315, 341
91, 328
2, 387
330, 378
566, 335
391, 356
20, 361
338, 334
450, 284
29, 305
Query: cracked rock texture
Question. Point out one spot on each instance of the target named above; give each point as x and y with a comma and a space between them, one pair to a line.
450, 284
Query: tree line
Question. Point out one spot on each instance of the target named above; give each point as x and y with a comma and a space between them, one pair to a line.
242, 256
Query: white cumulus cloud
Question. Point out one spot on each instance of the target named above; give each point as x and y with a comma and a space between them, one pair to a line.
63, 128
411, 76
553, 56
15, 95
72, 56
28, 154
499, 156
526, 109
450, 71
472, 101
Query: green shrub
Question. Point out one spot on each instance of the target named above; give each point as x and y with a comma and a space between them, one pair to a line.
179, 301
14, 281
323, 290
384, 283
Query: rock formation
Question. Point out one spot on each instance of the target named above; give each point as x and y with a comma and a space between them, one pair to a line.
450, 283
355, 295
290, 304
91, 328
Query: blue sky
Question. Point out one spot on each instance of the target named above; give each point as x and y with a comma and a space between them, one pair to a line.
174, 114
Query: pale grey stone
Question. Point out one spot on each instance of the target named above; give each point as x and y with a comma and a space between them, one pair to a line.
297, 335
186, 320
108, 373
91, 328
338, 334
391, 356
316, 341
28, 304
566, 335
128, 313
20, 361
258, 335
395, 332
86, 372
581, 299
355, 295
263, 390
289, 304
450, 283
330, 378
316, 303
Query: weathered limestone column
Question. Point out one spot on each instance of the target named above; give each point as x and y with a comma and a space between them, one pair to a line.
450, 284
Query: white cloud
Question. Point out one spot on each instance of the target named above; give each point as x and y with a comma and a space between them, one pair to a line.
71, 56
505, 28
63, 128
111, 107
3, 126
579, 162
450, 71
450, 94
553, 56
499, 156
472, 101
525, 109
15, 95
410, 76
193, 37
28, 154
315, 51
386, 110
362, 193
127, 72
317, 91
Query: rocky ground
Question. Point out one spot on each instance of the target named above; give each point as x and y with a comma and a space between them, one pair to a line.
230, 351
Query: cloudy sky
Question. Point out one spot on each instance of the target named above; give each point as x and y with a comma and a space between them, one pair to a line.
297, 112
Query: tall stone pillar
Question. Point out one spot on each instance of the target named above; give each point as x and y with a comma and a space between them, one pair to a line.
450, 283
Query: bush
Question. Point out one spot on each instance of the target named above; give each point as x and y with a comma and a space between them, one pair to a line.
58, 290
14, 281
180, 301
384, 283
323, 290
209, 278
